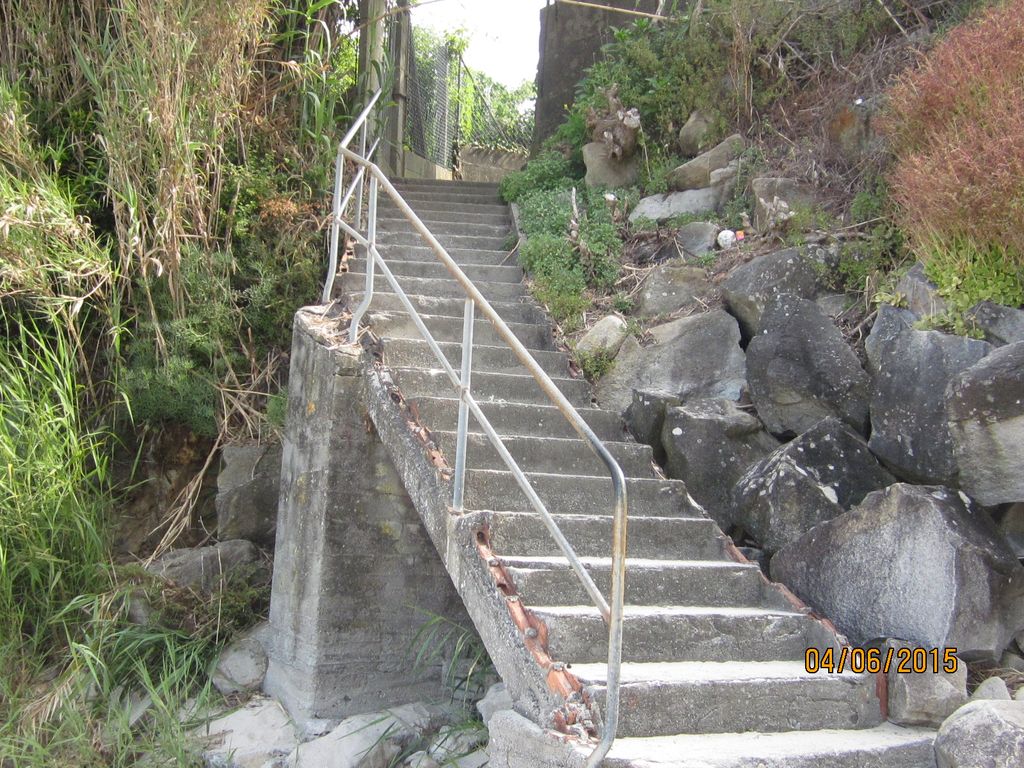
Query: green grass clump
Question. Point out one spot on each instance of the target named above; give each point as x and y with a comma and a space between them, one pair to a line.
595, 364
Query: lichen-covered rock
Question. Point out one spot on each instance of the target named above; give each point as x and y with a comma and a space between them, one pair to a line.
606, 335
662, 207
247, 492
645, 418
911, 562
671, 286
692, 357
693, 135
801, 370
982, 734
708, 444
696, 174
750, 286
1001, 325
921, 294
696, 238
912, 369
206, 568
992, 689
985, 407
767, 190
923, 698
814, 478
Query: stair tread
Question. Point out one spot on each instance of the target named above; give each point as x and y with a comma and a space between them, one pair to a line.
670, 611
681, 672
639, 563
719, 749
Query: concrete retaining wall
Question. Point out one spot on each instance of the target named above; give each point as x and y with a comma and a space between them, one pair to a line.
354, 567
491, 165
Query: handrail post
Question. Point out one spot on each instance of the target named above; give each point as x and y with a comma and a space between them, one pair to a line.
464, 395
362, 184
371, 250
332, 256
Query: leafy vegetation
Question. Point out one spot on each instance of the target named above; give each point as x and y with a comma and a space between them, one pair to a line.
959, 177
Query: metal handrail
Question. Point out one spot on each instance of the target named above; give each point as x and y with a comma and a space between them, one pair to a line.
612, 614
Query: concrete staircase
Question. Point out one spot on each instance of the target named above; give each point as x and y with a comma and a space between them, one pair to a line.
713, 671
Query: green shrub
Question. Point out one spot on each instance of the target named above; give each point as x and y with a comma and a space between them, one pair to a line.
545, 212
959, 177
559, 281
547, 171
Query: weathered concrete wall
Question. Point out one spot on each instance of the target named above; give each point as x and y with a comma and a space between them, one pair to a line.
571, 37
493, 165
353, 562
416, 167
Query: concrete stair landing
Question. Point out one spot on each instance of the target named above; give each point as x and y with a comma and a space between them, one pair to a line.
713, 671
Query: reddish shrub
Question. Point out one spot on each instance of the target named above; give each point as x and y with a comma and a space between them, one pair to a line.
957, 126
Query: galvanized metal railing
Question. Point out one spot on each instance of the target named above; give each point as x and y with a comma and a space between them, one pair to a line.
461, 381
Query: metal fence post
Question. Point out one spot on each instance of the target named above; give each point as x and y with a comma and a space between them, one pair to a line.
371, 256
464, 394
332, 256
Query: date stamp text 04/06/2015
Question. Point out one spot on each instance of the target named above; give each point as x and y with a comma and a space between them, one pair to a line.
872, 660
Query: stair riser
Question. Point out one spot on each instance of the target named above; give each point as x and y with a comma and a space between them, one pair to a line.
462, 257
808, 703
432, 205
354, 282
436, 270
722, 638
489, 387
415, 197
401, 326
686, 539
517, 419
411, 353
575, 495
561, 456
428, 305
714, 587
450, 228
484, 242
437, 219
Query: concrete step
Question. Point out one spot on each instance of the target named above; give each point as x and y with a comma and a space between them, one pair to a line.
354, 282
524, 534
520, 419
461, 256
484, 242
884, 746
435, 269
399, 325
510, 312
452, 195
664, 698
549, 454
578, 634
464, 228
411, 353
439, 218
442, 184
489, 387
431, 204
574, 494
714, 583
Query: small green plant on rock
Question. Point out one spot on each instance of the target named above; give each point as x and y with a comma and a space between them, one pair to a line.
595, 364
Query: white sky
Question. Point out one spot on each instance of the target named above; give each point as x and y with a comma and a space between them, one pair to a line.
504, 35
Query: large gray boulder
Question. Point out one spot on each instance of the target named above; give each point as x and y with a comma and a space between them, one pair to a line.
911, 562
801, 370
247, 492
605, 336
671, 286
257, 735
692, 357
697, 173
985, 406
697, 238
645, 418
768, 191
603, 170
709, 444
1001, 325
242, 665
750, 286
207, 569
912, 369
808, 481
982, 734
